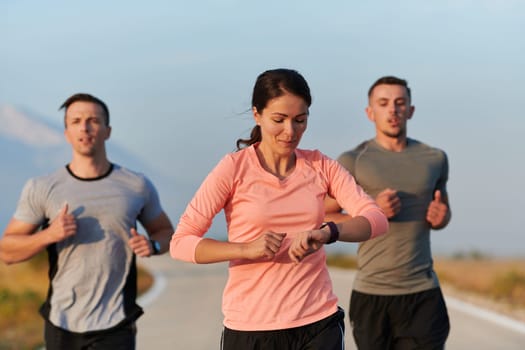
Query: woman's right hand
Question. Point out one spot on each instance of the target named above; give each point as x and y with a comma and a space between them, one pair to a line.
266, 246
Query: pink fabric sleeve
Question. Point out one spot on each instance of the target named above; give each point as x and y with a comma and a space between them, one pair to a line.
378, 222
207, 202
183, 248
353, 199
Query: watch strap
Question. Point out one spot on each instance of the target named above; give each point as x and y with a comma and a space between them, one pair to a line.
334, 231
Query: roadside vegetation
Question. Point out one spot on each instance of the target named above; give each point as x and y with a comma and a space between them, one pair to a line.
23, 288
498, 280
475, 276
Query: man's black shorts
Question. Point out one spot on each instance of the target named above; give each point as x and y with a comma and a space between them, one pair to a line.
410, 321
121, 337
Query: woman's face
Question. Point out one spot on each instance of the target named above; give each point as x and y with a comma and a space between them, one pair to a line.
283, 122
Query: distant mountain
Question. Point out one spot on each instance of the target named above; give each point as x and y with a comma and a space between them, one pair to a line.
33, 146
28, 129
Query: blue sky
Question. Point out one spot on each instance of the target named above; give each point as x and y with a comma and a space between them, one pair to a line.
177, 76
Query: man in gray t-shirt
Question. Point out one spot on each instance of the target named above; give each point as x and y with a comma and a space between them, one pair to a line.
396, 300
85, 215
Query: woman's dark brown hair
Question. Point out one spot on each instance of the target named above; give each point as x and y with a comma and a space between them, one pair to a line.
269, 85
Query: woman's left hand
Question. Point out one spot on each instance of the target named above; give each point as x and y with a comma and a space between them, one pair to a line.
306, 243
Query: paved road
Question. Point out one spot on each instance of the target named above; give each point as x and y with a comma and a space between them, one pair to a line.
182, 311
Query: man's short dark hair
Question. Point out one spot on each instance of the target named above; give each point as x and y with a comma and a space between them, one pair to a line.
390, 80
82, 97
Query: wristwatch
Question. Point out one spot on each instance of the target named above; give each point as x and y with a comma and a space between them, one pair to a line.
155, 246
334, 231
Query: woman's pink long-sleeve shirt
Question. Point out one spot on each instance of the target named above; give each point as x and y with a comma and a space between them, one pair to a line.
273, 294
